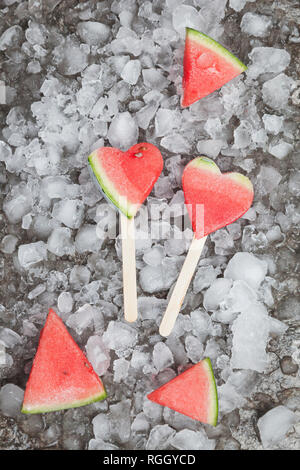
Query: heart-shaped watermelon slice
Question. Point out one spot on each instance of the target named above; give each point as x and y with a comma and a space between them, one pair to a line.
127, 178
213, 199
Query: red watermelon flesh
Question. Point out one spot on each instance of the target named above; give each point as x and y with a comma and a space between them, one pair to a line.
61, 376
127, 178
213, 199
192, 393
206, 66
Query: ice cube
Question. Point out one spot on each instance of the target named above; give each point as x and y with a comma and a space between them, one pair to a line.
3, 355
162, 356
145, 114
242, 135
273, 124
9, 337
194, 348
8, 244
31, 254
70, 57
187, 16
70, 212
256, 25
238, 5
154, 79
216, 293
120, 421
131, 72
11, 38
121, 368
160, 437
17, 203
229, 399
99, 444
281, 149
5, 152
29, 329
175, 143
93, 32
267, 60
274, 425
276, 91
240, 296
211, 148
250, 335
101, 426
79, 276
151, 307
157, 278
123, 131
192, 440
11, 398
65, 302
98, 354
60, 242
120, 337
154, 256
139, 359
201, 324
166, 120
140, 424
87, 239
268, 179
246, 267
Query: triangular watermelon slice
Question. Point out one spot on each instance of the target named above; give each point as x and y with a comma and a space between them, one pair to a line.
61, 376
206, 66
192, 393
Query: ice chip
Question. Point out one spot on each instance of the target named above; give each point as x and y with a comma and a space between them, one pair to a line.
250, 335
131, 72
187, 439
256, 25
274, 425
216, 293
93, 32
31, 254
162, 356
11, 398
246, 267
98, 354
123, 131
160, 437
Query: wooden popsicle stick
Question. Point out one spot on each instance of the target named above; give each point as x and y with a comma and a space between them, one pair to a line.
181, 286
129, 268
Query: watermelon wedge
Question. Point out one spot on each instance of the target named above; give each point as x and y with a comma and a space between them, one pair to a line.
192, 393
206, 66
61, 376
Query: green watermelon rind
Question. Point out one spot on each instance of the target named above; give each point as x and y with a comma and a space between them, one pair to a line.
214, 407
109, 189
205, 163
241, 179
216, 47
64, 406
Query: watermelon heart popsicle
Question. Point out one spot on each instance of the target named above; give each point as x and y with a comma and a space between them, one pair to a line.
126, 179
213, 201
